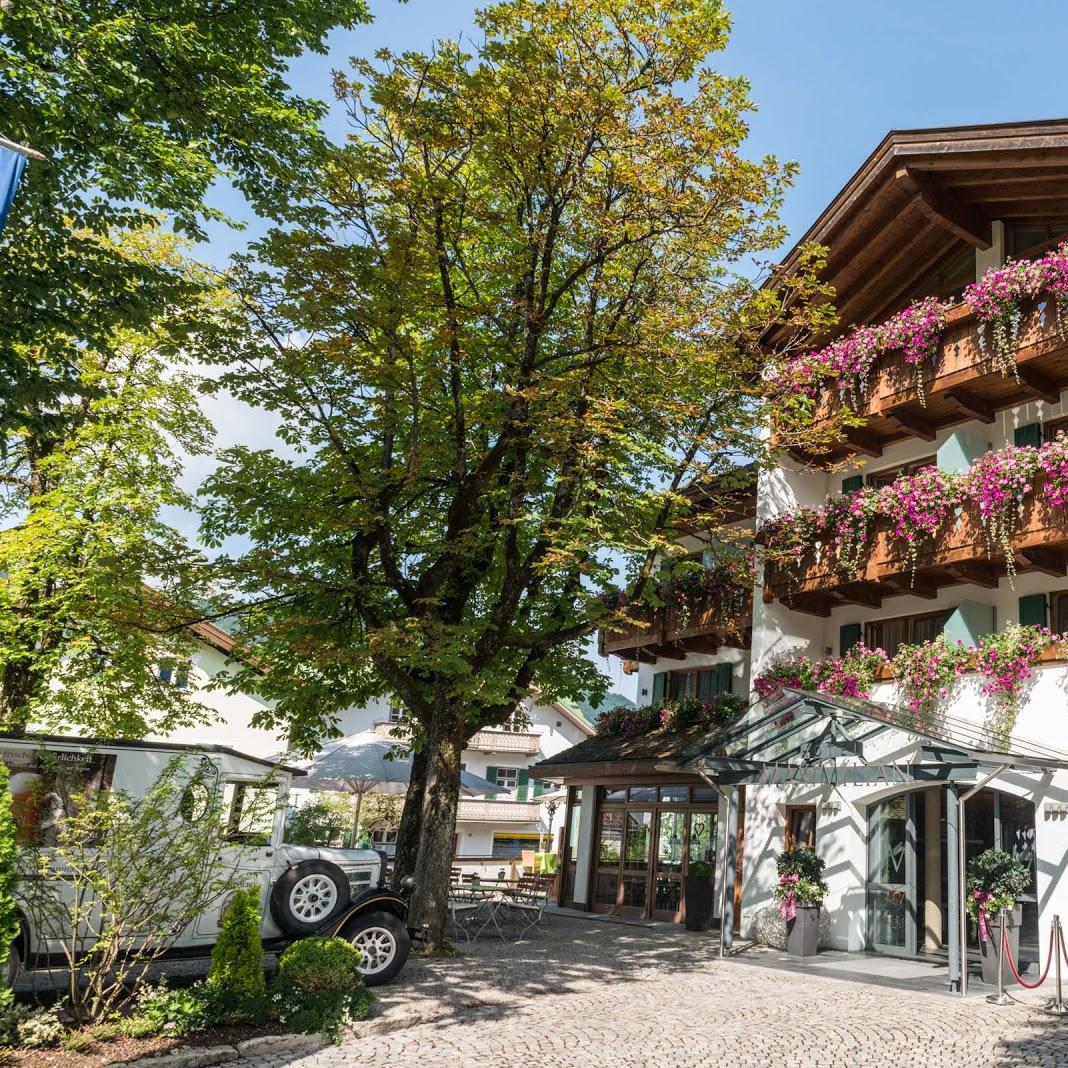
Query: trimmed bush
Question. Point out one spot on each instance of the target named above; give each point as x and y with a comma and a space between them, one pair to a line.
318, 987
236, 988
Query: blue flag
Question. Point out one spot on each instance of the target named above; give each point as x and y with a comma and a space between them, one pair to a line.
12, 164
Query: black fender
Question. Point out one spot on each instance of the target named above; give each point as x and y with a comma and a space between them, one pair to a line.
373, 899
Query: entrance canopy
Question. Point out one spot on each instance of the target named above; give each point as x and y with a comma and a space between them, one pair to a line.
823, 739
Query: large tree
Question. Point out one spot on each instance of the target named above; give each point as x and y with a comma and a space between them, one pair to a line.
511, 333
139, 108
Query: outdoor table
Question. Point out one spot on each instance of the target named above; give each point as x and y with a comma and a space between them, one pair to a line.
487, 901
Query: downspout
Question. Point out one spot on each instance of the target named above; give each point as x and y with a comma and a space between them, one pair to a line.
961, 875
726, 860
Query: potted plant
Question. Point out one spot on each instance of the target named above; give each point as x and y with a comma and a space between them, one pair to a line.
699, 891
800, 892
995, 882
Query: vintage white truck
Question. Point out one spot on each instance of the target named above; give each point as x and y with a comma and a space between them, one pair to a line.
305, 890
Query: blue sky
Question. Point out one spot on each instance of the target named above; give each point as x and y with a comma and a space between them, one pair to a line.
829, 78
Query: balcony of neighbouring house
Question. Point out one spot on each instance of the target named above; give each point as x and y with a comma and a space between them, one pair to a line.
969, 373
1008, 513
697, 616
477, 810
490, 741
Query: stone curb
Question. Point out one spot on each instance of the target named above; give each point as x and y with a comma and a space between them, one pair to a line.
206, 1056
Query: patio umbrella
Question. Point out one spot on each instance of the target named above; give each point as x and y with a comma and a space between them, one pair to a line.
367, 763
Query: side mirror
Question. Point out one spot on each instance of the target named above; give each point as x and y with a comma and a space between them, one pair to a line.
408, 883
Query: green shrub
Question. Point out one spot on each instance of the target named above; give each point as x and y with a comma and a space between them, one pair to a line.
77, 1042
318, 987
237, 989
700, 869
139, 1027
107, 1031
801, 861
29, 1027
158, 1010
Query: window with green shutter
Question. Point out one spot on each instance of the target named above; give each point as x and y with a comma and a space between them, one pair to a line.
491, 776
523, 785
724, 678
1033, 610
660, 685
1029, 434
852, 484
848, 636
539, 787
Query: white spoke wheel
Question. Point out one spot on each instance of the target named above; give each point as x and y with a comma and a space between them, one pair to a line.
383, 941
308, 895
377, 948
313, 898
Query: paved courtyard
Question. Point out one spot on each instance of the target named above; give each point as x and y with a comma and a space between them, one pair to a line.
609, 996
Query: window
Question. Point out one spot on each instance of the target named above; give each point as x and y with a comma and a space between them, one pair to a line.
890, 634
512, 845
1059, 612
249, 810
507, 778
876, 479
1031, 241
696, 682
395, 713
800, 827
1054, 427
173, 674
949, 280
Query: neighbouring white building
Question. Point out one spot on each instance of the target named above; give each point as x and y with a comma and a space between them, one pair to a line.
488, 829
892, 803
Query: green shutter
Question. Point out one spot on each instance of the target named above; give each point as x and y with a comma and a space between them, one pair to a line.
1031, 434
539, 787
852, 484
724, 678
1033, 610
848, 636
969, 622
491, 774
660, 686
521, 788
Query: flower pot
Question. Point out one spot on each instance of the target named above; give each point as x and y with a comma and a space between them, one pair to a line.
699, 894
803, 932
989, 949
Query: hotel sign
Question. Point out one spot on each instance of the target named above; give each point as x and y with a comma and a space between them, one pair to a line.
847, 774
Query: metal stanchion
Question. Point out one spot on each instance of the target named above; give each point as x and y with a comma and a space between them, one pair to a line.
1001, 998
1057, 1006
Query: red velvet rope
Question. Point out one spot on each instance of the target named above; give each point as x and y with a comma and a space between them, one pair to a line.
1012, 964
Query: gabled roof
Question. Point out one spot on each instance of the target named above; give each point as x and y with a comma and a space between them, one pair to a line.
923, 197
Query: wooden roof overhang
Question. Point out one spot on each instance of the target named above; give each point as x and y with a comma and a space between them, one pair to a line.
923, 197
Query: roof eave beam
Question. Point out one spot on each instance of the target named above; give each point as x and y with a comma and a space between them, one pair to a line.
940, 205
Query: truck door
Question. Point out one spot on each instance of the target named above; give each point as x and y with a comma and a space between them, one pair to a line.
252, 809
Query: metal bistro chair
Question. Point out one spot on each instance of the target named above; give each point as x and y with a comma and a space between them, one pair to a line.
526, 903
465, 902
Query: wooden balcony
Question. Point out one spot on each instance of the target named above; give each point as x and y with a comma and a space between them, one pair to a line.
489, 741
958, 554
699, 625
475, 810
959, 384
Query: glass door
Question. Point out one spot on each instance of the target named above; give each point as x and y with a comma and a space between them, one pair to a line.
667, 873
609, 853
892, 876
634, 883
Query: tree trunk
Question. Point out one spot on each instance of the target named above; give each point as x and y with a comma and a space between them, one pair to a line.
406, 856
18, 683
444, 746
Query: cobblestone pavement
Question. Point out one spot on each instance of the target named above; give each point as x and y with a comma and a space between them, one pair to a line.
611, 996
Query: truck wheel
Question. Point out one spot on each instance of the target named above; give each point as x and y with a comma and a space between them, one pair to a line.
307, 895
12, 966
383, 942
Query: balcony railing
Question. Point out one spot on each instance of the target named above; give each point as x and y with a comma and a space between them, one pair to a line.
505, 742
959, 384
699, 623
957, 554
498, 811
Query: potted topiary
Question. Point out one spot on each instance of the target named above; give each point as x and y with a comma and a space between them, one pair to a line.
800, 892
699, 895
995, 882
